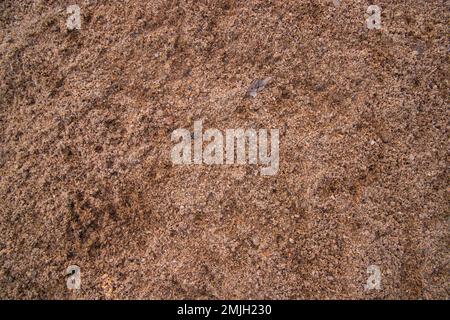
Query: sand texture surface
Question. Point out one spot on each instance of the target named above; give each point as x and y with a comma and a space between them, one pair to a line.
86, 176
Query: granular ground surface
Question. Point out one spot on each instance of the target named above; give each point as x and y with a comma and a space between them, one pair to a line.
86, 176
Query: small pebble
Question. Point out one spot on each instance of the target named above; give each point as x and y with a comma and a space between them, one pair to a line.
257, 85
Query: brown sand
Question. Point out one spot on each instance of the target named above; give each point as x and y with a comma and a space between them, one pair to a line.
86, 176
